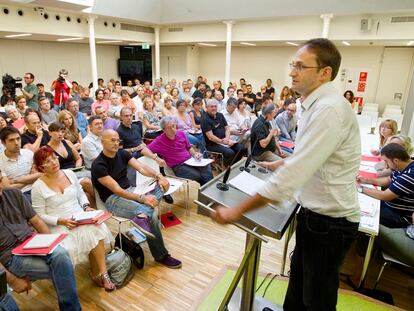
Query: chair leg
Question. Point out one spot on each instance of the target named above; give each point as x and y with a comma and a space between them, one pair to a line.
187, 198
380, 274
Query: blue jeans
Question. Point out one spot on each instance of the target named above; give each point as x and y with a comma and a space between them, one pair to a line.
200, 174
56, 266
7, 303
129, 209
321, 245
393, 218
198, 140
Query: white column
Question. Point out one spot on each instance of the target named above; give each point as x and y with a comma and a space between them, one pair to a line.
157, 52
229, 25
92, 51
326, 23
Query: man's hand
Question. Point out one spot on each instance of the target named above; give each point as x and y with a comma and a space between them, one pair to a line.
224, 215
274, 132
150, 200
160, 162
271, 165
198, 156
20, 285
67, 222
226, 141
39, 131
231, 143
164, 184
361, 179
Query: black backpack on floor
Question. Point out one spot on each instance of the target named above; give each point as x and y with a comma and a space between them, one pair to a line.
132, 248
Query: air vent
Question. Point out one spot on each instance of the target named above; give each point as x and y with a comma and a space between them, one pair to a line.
402, 19
175, 29
136, 28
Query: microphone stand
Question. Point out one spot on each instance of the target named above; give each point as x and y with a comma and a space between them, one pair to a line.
249, 159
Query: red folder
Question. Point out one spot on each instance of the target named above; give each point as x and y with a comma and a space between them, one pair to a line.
97, 221
287, 144
367, 174
18, 250
370, 159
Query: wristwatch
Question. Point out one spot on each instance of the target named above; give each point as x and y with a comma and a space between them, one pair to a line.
360, 189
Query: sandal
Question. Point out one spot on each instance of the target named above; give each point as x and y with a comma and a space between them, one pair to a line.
103, 280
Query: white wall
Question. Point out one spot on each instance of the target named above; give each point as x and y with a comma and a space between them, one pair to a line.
45, 59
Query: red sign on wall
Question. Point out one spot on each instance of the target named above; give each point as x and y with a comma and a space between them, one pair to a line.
363, 76
361, 87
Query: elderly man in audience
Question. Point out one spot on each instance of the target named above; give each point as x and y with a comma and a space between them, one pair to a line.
15, 117
72, 106
174, 147
30, 91
48, 115
18, 221
91, 145
263, 136
286, 122
238, 129
217, 134
35, 136
109, 175
219, 97
109, 123
42, 93
16, 164
85, 101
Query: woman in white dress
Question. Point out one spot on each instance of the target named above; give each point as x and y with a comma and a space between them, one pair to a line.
56, 197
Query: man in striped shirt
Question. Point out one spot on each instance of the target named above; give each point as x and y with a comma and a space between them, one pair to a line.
397, 201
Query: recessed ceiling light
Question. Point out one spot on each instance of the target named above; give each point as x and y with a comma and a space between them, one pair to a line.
207, 44
410, 42
69, 39
18, 35
292, 43
135, 44
248, 43
346, 43
110, 41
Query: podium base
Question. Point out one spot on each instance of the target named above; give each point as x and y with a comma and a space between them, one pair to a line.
259, 303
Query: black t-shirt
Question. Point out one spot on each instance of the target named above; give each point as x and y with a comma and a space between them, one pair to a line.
198, 94
217, 125
252, 96
115, 167
260, 130
130, 137
270, 90
29, 138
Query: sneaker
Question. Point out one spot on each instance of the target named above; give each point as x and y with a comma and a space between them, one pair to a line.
168, 198
143, 224
170, 262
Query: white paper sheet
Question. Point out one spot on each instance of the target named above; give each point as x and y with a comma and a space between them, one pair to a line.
247, 183
41, 241
87, 215
202, 162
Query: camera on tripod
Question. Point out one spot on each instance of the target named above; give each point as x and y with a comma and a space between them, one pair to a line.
10, 84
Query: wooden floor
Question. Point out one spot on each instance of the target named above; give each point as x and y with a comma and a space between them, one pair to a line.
204, 248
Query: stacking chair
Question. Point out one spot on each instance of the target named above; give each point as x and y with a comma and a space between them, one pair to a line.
388, 260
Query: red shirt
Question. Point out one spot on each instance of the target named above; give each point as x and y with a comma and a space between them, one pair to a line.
61, 88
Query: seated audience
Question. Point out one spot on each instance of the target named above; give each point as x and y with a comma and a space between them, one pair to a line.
139, 109
85, 102
109, 175
108, 122
42, 93
35, 136
91, 145
284, 94
174, 147
48, 115
259, 98
100, 100
115, 106
286, 122
169, 109
196, 113
270, 90
387, 128
158, 102
237, 128
15, 117
183, 121
250, 97
21, 104
150, 120
221, 103
82, 124
349, 95
286, 103
56, 197
3, 121
263, 136
71, 131
167, 92
217, 134
175, 96
397, 201
245, 117
126, 101
201, 90
17, 225
16, 164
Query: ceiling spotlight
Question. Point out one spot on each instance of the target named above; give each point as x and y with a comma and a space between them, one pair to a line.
410, 42
292, 43
248, 43
207, 44
69, 39
346, 43
18, 35
109, 41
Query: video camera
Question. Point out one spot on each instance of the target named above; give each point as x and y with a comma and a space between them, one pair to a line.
10, 84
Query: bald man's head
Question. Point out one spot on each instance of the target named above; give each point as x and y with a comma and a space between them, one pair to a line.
110, 141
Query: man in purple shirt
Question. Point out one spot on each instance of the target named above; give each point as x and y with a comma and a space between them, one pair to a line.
109, 123
174, 147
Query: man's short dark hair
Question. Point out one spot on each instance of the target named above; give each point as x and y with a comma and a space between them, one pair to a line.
248, 85
326, 54
266, 98
395, 151
93, 118
231, 101
289, 101
230, 87
70, 100
40, 84
31, 75
7, 131
42, 98
239, 90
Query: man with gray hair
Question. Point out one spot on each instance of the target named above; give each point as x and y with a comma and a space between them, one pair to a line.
72, 106
262, 137
173, 146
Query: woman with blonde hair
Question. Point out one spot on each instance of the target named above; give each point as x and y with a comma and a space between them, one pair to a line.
72, 132
387, 129
284, 94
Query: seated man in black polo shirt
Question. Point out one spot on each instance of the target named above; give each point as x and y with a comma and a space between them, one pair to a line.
217, 134
262, 137
35, 136
109, 176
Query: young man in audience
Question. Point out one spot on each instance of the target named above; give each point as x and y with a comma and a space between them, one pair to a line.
217, 134
190, 85
16, 164
72, 106
263, 136
286, 122
174, 147
220, 102
229, 94
138, 100
18, 220
42, 93
201, 90
35, 136
100, 101
240, 95
30, 91
85, 101
109, 123
235, 123
397, 201
91, 145
249, 96
217, 87
109, 176
48, 114
147, 88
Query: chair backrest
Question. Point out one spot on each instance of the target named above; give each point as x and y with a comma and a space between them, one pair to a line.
388, 257
373, 114
370, 108
364, 123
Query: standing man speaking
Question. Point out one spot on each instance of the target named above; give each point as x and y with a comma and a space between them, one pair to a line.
321, 176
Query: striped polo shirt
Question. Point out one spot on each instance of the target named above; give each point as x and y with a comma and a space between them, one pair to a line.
402, 184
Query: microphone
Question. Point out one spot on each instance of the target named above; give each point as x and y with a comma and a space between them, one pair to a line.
222, 186
249, 159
